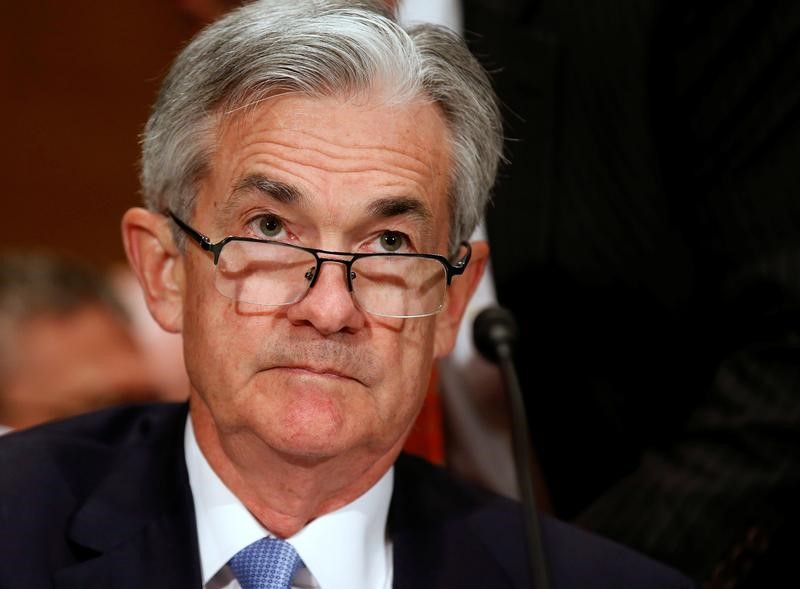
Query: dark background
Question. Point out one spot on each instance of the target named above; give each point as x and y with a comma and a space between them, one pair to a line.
78, 79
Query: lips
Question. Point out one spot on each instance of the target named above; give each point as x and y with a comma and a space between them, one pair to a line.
321, 371
324, 358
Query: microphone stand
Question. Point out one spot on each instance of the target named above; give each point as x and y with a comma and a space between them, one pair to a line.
494, 333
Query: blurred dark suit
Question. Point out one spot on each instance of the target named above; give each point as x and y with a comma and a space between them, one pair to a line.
652, 204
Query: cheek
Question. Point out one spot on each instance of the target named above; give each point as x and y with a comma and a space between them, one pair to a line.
409, 363
214, 342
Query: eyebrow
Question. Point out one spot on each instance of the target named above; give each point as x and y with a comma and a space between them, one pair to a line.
280, 191
382, 208
399, 206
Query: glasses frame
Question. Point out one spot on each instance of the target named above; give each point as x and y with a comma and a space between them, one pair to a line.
451, 268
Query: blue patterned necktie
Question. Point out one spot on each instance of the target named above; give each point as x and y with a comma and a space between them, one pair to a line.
268, 563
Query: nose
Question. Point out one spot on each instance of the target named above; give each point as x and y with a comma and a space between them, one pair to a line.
328, 306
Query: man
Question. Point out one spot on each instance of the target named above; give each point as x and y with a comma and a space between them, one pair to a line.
66, 345
347, 159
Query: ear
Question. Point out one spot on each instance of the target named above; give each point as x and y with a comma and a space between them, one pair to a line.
459, 294
157, 263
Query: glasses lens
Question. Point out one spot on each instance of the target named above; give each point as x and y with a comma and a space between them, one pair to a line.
260, 273
399, 286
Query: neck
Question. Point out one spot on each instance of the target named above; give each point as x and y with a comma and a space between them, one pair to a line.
285, 492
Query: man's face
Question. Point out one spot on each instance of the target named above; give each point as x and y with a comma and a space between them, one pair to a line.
319, 377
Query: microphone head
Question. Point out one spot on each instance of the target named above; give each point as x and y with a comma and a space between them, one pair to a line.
494, 333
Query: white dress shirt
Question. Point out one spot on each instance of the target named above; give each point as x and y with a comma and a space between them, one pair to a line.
345, 549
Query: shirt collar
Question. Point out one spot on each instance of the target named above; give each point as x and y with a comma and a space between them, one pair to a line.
347, 548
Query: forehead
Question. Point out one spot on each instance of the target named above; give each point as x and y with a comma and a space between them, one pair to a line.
338, 156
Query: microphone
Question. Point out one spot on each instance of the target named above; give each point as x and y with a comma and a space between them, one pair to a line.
495, 333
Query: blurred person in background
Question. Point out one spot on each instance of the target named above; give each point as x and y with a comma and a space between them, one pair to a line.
646, 236
66, 345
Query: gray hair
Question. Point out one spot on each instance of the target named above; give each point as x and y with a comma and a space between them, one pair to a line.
319, 48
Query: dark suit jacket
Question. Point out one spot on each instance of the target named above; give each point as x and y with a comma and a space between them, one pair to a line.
104, 501
646, 235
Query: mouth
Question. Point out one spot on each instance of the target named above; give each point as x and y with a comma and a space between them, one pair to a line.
322, 359
319, 371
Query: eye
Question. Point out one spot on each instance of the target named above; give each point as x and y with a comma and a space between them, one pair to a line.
392, 241
269, 225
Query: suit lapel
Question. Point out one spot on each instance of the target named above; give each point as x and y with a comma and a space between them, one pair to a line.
435, 527
158, 556
138, 527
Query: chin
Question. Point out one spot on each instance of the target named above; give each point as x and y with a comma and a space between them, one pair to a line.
308, 418
317, 432
312, 450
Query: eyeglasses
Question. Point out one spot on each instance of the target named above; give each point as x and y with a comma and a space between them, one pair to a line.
273, 273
